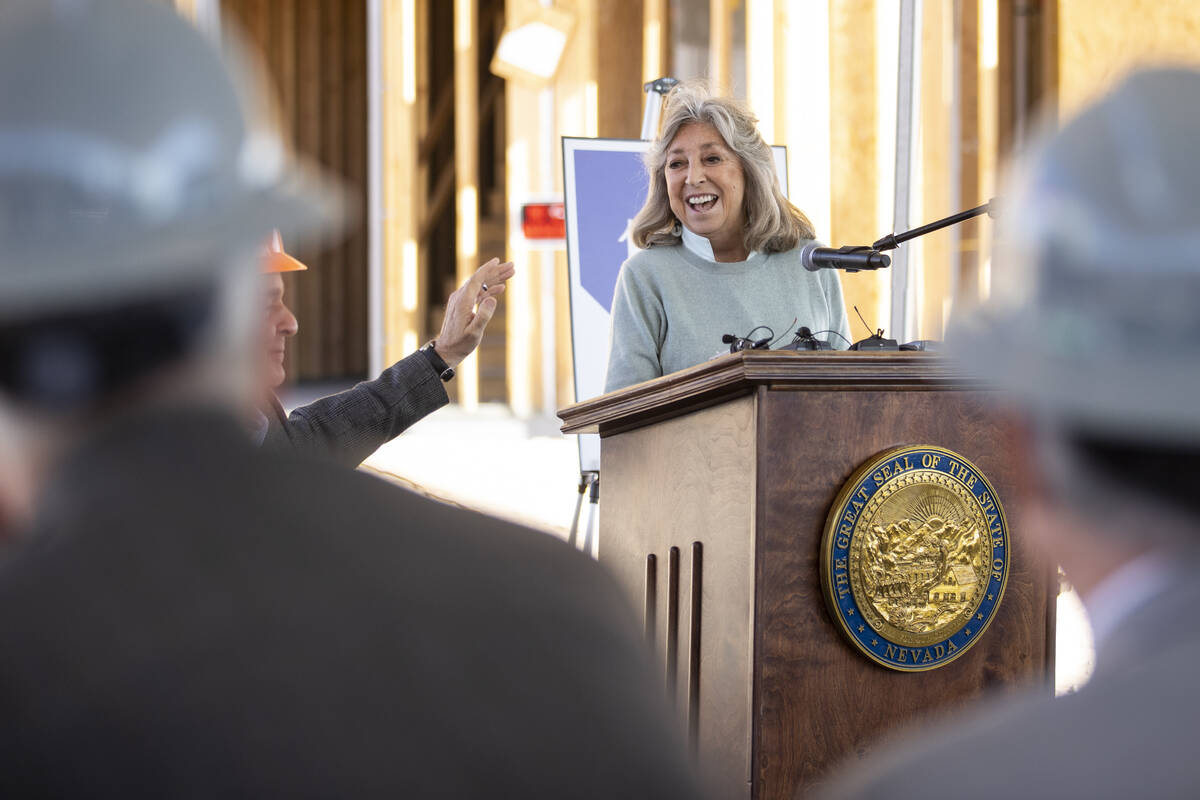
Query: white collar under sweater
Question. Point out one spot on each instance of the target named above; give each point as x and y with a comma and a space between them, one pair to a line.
701, 246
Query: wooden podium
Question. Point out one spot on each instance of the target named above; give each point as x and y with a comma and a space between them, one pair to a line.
716, 484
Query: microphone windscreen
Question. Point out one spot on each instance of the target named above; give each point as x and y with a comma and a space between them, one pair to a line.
806, 256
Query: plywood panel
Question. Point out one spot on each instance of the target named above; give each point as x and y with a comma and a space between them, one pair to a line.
466, 170
937, 282
1100, 43
966, 148
853, 111
315, 53
279, 51
618, 80
332, 120
354, 167
308, 142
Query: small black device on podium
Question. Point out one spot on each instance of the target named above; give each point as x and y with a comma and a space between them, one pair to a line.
807, 340
444, 370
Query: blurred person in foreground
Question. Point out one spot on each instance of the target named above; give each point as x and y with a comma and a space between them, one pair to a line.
351, 425
1094, 330
721, 247
183, 614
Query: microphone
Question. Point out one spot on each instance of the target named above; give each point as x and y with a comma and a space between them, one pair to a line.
851, 259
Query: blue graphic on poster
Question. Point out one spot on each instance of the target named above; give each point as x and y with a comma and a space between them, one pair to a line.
610, 189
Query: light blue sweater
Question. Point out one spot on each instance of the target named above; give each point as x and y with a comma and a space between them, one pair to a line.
671, 307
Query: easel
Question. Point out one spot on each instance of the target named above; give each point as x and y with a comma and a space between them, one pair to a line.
656, 91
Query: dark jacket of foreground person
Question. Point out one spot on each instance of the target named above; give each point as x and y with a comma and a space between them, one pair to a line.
194, 617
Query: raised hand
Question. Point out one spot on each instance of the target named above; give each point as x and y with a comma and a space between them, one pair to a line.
469, 310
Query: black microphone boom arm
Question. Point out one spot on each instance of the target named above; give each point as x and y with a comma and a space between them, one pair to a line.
894, 240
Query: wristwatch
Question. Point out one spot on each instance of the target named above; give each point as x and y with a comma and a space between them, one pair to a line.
444, 370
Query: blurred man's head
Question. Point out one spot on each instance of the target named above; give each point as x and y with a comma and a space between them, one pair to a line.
136, 186
1093, 327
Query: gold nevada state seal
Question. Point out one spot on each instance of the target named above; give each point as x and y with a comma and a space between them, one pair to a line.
915, 557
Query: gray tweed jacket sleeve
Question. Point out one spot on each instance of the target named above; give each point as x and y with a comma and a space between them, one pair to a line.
351, 425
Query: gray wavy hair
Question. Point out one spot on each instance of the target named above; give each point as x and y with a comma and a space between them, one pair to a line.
773, 224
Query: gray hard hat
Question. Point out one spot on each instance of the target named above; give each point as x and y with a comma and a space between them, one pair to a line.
129, 160
1094, 319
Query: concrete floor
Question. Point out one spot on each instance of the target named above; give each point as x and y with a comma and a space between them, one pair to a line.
487, 460
491, 462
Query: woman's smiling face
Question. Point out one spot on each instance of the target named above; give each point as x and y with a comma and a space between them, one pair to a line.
705, 185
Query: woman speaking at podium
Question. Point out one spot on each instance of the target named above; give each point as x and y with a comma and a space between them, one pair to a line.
721, 247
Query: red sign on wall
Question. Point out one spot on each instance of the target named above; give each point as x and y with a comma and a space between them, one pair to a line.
542, 221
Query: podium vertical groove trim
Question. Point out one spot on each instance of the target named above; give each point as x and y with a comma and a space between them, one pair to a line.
673, 621
694, 648
650, 611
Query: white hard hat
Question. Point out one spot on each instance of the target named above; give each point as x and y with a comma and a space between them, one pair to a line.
128, 160
1094, 321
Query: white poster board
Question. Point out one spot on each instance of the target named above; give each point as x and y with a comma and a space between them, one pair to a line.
605, 186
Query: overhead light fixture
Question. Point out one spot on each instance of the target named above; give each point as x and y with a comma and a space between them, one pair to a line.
532, 51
